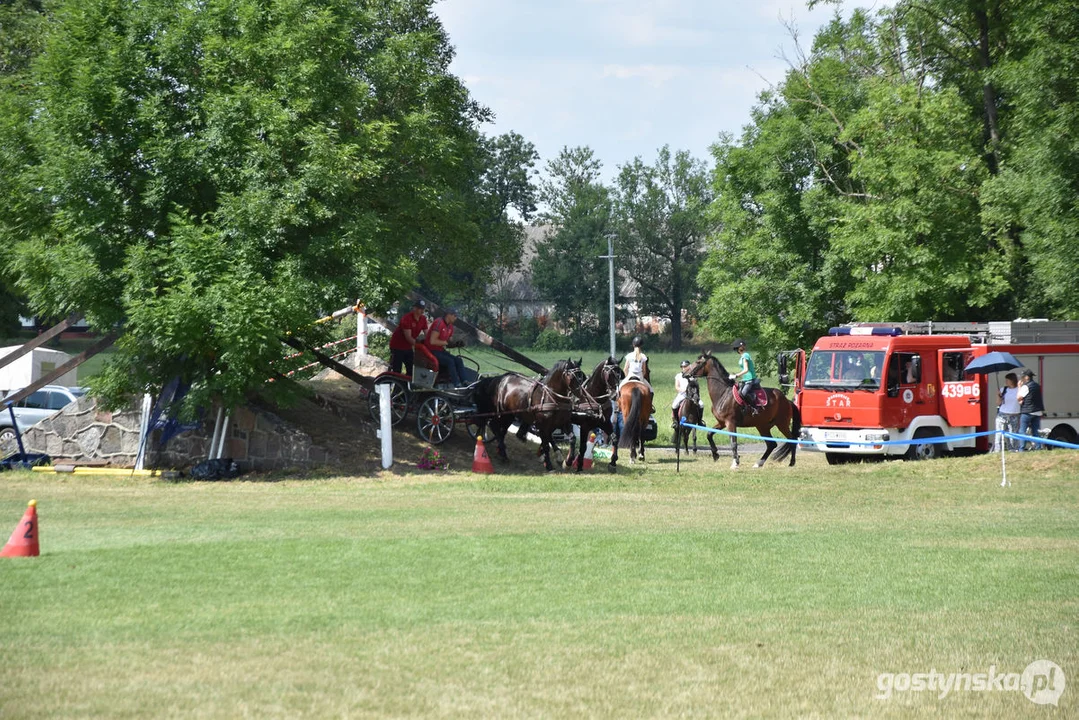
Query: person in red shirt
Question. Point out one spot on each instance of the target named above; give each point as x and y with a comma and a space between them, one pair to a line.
404, 338
438, 339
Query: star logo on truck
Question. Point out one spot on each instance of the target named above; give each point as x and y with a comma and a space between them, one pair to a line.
838, 400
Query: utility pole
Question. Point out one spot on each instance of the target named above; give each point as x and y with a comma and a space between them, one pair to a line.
609, 257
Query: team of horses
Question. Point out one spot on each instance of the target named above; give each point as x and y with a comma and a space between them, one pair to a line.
567, 397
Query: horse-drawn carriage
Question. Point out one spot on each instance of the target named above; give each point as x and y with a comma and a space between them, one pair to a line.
564, 396
437, 403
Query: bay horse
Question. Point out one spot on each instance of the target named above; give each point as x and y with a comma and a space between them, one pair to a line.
635, 402
690, 411
544, 405
731, 414
594, 407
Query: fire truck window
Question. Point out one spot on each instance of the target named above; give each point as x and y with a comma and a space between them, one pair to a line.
911, 373
893, 375
953, 367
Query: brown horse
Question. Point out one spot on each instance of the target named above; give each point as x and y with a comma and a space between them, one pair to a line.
778, 412
635, 404
543, 405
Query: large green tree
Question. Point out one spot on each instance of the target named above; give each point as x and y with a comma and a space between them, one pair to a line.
22, 24
661, 220
917, 164
567, 268
1032, 206
211, 175
503, 201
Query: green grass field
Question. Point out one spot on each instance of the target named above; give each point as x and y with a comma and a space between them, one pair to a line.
779, 592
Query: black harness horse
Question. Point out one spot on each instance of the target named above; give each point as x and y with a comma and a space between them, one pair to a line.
594, 407
544, 406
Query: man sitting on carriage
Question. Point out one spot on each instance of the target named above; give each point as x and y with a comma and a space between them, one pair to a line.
439, 339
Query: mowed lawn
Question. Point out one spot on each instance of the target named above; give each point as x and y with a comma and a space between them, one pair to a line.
779, 592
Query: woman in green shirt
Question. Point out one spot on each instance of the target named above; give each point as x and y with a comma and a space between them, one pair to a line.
748, 375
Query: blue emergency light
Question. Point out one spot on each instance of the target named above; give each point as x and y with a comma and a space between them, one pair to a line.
886, 331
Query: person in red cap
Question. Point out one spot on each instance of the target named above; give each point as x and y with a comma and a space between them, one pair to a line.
439, 338
404, 338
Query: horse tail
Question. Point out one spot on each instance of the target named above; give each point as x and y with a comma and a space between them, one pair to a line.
632, 420
796, 429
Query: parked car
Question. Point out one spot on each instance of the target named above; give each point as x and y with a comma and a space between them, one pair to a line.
35, 407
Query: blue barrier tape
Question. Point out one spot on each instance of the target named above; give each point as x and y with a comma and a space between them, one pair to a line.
852, 443
1040, 441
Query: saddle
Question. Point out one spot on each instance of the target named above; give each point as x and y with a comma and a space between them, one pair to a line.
760, 398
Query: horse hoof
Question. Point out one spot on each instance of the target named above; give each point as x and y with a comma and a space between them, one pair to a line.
734, 465
758, 466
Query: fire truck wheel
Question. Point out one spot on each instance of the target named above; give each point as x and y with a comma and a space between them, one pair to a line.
837, 458
924, 451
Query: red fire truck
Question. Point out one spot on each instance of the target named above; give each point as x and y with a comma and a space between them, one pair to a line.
864, 386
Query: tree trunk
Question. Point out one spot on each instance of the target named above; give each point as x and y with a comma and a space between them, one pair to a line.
676, 329
989, 93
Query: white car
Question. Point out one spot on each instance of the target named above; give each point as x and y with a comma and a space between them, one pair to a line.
35, 407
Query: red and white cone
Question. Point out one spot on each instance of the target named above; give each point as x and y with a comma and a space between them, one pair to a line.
481, 462
588, 451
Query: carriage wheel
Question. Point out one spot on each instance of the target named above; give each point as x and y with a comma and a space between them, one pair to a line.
399, 400
435, 419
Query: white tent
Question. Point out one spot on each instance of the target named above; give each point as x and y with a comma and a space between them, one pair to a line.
32, 366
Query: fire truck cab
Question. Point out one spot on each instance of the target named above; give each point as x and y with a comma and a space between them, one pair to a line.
877, 391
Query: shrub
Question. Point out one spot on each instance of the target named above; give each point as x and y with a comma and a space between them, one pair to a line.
551, 339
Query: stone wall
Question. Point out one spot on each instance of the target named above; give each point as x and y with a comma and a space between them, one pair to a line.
256, 440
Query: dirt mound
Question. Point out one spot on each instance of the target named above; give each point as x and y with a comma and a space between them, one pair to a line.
335, 413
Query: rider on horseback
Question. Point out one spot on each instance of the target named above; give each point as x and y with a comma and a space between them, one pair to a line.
636, 365
750, 382
681, 385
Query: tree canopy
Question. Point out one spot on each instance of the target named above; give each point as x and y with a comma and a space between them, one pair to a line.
212, 175
916, 164
661, 220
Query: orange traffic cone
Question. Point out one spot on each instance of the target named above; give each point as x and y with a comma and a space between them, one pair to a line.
588, 451
481, 463
23, 542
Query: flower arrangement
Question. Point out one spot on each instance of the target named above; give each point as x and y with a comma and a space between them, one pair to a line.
432, 459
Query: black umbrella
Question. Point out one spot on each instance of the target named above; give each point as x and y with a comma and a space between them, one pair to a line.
993, 362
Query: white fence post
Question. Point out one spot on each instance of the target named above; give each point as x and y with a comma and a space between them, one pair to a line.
361, 330
386, 424
144, 431
224, 434
217, 433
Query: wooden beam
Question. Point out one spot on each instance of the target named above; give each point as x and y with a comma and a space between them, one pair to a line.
102, 344
366, 382
39, 340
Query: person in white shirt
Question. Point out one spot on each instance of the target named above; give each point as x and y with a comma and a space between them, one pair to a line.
681, 385
636, 364
1007, 410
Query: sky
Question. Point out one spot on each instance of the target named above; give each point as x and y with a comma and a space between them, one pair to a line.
625, 77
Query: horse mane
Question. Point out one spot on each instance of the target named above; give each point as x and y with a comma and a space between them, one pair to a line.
724, 374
